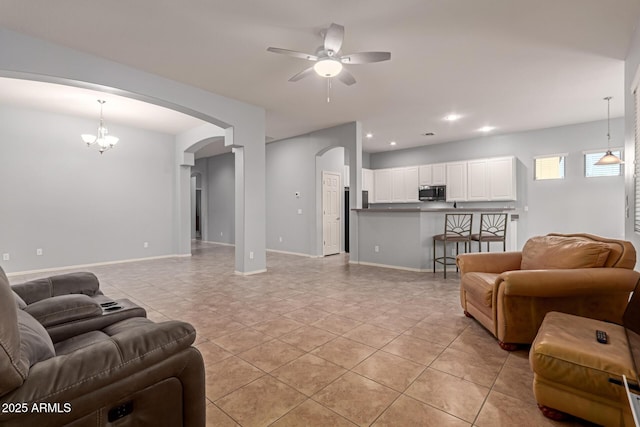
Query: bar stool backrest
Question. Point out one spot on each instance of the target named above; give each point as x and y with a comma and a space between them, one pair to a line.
458, 225
493, 225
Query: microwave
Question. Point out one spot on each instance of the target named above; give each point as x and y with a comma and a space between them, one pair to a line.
432, 193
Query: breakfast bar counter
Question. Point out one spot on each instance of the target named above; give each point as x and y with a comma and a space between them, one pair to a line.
403, 237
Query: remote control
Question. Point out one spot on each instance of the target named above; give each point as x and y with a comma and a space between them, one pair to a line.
601, 336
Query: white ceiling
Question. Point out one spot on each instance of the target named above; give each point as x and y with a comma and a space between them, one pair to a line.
512, 64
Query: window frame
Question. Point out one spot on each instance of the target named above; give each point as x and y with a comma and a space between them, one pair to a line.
563, 156
618, 151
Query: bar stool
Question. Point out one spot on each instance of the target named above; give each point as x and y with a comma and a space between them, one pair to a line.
493, 228
457, 228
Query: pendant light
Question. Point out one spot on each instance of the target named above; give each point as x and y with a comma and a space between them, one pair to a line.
609, 158
103, 140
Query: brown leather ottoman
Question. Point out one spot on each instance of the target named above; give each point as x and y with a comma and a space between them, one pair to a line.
572, 370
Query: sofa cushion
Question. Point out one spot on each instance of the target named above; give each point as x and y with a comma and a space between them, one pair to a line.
63, 309
479, 287
555, 252
12, 369
19, 301
35, 343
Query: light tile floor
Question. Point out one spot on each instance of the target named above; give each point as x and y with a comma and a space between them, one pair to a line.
319, 342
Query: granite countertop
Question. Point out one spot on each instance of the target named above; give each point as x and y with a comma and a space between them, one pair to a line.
444, 210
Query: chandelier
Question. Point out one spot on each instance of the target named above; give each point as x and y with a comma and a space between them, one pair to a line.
103, 140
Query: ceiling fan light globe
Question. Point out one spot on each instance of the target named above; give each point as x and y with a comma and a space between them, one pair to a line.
328, 67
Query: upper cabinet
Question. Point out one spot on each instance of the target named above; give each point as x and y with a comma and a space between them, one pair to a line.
491, 179
397, 185
432, 174
502, 178
467, 181
456, 181
382, 185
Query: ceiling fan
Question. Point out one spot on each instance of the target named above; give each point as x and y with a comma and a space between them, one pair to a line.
329, 60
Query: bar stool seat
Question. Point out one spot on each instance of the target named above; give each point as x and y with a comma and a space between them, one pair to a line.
493, 228
457, 229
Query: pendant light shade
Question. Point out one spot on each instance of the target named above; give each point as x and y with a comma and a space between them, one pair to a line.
609, 158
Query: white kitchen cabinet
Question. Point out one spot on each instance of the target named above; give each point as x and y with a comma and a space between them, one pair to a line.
439, 174
456, 173
477, 181
501, 173
367, 181
425, 173
432, 174
346, 176
491, 179
411, 184
382, 185
398, 189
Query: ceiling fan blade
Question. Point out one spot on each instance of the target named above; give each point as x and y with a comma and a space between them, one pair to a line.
302, 74
346, 77
365, 57
333, 38
293, 53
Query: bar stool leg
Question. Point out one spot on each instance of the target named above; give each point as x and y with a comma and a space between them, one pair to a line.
434, 256
445, 259
488, 243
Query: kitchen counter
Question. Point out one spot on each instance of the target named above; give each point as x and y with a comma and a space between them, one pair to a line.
444, 210
403, 237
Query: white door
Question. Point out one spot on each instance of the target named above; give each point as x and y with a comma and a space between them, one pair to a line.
331, 197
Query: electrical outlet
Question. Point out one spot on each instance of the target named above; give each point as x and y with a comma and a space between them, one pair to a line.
376, 248
299, 211
221, 234
5, 257
39, 251
146, 245
280, 239
251, 255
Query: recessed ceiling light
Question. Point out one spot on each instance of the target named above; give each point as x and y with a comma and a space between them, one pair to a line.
452, 117
369, 135
392, 143
486, 128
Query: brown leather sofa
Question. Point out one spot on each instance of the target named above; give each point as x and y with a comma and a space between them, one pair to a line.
509, 293
132, 373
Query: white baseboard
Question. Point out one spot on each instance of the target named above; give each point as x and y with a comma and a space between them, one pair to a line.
95, 264
250, 273
291, 253
217, 243
395, 267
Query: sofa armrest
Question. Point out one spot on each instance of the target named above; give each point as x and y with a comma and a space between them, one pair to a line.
73, 283
567, 283
67, 377
63, 309
497, 262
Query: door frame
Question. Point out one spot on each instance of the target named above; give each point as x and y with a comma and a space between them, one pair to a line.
340, 192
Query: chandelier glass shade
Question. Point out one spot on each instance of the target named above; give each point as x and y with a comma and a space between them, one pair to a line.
103, 140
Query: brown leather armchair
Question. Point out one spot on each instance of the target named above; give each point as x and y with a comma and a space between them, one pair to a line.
509, 293
133, 372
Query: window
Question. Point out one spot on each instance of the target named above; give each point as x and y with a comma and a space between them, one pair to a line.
549, 167
593, 170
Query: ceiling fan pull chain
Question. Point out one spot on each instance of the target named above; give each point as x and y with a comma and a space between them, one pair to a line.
329, 90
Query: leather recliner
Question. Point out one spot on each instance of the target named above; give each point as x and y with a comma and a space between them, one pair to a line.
71, 304
132, 373
509, 293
